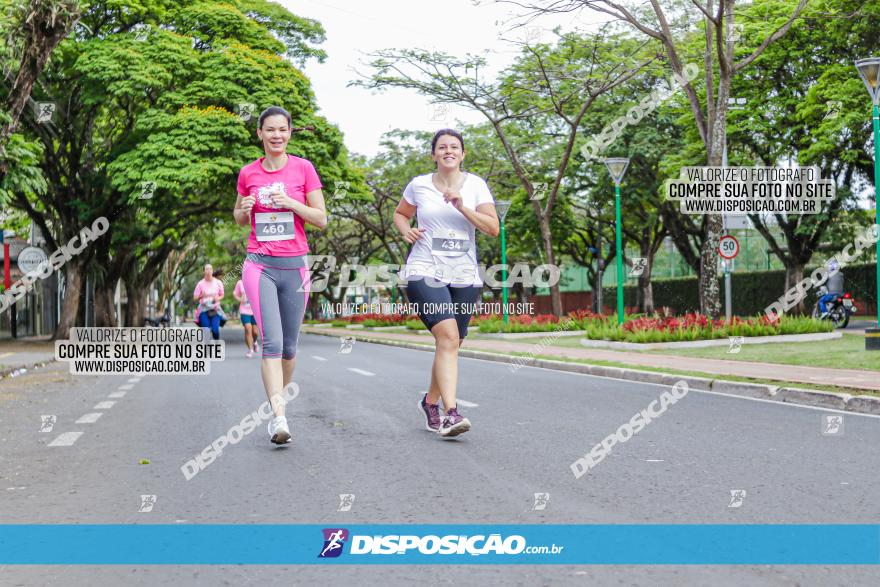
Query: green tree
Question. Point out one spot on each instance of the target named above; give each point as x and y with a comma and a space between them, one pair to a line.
536, 107
31, 29
712, 38
807, 104
151, 131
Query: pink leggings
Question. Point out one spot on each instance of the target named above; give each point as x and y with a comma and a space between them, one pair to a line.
278, 289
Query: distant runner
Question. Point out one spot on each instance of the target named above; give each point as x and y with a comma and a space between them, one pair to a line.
208, 293
246, 313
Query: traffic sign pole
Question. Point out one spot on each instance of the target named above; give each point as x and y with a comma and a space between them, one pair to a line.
728, 248
728, 286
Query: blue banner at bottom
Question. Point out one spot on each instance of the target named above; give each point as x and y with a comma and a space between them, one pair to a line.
209, 544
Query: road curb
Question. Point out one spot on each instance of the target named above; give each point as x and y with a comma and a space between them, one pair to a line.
9, 370
823, 399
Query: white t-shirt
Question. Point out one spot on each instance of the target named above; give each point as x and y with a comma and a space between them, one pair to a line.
447, 250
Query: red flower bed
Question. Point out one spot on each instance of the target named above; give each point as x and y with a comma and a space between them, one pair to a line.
687, 321
395, 318
585, 315
519, 318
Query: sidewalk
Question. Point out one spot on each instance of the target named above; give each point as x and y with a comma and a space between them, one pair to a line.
24, 353
851, 378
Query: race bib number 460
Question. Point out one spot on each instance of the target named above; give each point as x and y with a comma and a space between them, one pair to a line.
450, 243
274, 226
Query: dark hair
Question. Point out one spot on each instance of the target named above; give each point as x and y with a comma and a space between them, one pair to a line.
278, 110
273, 111
446, 131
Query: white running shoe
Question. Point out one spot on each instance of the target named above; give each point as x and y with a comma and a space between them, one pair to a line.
249, 354
279, 433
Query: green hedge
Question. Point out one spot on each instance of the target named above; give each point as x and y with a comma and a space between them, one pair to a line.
752, 292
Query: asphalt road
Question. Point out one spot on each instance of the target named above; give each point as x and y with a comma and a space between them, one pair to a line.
356, 430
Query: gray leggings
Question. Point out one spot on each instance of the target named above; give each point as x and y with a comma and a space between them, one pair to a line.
278, 289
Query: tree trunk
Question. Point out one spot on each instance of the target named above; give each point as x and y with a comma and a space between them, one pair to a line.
73, 285
794, 273
135, 311
105, 309
547, 241
710, 293
314, 306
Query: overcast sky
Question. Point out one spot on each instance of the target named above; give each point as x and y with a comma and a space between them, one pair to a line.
455, 26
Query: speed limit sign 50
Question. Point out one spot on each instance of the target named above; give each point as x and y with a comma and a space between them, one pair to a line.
728, 247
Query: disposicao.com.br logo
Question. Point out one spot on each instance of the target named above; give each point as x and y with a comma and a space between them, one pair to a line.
334, 540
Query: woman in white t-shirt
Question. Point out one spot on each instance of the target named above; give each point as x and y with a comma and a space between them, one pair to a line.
443, 278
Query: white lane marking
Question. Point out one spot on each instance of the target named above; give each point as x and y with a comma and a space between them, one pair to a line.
104, 405
90, 418
116, 394
361, 371
466, 404
134, 380
317, 358
653, 460
66, 439
125, 387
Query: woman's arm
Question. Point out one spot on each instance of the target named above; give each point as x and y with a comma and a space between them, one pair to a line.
402, 216
314, 212
197, 293
242, 210
484, 218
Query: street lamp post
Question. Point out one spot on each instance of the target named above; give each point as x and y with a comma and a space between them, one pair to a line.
502, 206
869, 70
617, 167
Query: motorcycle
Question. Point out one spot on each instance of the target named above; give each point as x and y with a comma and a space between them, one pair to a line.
839, 309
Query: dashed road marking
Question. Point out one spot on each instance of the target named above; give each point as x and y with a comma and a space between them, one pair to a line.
126, 387
66, 439
361, 371
117, 394
104, 405
317, 358
90, 418
466, 404
134, 380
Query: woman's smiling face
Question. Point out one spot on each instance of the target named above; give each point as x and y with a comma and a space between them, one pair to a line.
448, 153
275, 134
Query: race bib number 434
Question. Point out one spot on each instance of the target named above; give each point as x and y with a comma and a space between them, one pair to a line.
450, 243
274, 226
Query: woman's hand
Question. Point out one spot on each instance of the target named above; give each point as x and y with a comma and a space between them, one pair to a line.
413, 235
280, 200
247, 204
453, 198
